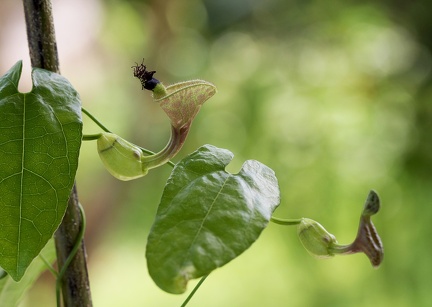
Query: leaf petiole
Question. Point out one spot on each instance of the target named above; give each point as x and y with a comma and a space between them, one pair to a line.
91, 137
287, 222
194, 290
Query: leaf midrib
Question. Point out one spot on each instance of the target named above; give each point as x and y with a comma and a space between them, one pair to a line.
204, 219
21, 182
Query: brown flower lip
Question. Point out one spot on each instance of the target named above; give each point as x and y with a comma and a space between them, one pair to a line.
367, 240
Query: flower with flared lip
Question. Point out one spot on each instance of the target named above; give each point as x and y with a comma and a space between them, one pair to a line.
322, 244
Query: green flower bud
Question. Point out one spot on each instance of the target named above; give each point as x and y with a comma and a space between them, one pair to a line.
315, 238
121, 158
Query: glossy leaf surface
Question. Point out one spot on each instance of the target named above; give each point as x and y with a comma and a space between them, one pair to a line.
40, 138
207, 216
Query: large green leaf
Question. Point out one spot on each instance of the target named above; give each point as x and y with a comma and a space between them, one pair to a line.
40, 138
207, 216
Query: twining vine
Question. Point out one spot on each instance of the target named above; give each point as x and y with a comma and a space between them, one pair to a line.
204, 210
206, 216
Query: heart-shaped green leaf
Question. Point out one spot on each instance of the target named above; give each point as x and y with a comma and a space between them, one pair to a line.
207, 216
40, 138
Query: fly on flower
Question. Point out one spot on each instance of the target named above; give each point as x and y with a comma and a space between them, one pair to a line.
145, 76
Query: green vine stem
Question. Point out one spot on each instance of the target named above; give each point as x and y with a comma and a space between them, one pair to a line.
95, 120
73, 279
43, 54
71, 256
49, 266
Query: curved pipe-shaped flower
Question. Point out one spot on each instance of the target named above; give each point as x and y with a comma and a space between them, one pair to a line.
181, 102
322, 244
367, 240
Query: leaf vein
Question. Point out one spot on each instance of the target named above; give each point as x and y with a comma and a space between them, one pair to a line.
205, 218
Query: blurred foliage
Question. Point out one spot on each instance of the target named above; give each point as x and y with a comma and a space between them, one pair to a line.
334, 96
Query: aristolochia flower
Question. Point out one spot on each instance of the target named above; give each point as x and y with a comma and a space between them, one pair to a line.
180, 101
320, 243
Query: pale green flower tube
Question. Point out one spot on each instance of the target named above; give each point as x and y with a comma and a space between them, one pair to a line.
120, 157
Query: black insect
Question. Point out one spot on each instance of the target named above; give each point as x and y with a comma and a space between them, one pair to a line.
145, 76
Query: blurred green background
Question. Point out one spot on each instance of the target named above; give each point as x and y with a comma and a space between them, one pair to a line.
335, 96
